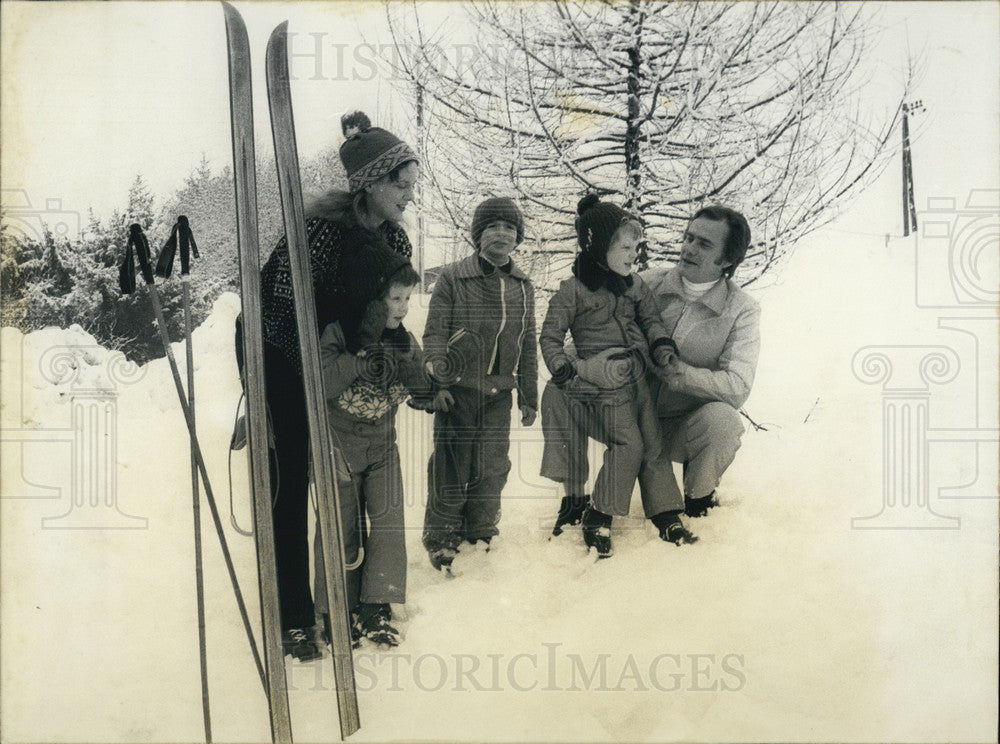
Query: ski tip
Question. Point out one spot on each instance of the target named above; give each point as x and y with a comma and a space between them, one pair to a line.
276, 54
236, 32
233, 16
280, 32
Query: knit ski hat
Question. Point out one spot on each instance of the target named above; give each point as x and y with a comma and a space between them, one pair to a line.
496, 208
369, 152
369, 265
369, 271
596, 224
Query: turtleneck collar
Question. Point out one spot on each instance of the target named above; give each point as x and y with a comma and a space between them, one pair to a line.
694, 291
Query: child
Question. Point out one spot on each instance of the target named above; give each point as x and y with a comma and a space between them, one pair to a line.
367, 372
602, 393
480, 345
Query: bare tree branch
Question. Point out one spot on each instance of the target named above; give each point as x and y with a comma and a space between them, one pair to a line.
666, 106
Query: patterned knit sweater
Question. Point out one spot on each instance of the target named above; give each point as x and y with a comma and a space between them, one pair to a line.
328, 243
369, 388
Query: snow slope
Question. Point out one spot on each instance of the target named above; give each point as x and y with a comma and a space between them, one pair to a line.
782, 623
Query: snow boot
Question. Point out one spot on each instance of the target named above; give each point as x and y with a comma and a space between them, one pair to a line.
442, 558
300, 644
355, 632
597, 532
570, 512
672, 529
373, 623
699, 507
484, 540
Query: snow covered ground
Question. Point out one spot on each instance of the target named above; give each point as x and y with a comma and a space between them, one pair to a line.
782, 623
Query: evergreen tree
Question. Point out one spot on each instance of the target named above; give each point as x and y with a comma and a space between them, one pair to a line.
52, 269
52, 282
140, 204
13, 307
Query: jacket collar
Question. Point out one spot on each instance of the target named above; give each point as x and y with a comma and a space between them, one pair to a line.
669, 283
469, 268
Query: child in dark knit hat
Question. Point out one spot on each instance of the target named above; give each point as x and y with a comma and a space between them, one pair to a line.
367, 373
345, 228
601, 391
480, 345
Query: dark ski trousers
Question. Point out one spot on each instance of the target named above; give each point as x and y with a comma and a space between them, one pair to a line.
289, 487
468, 469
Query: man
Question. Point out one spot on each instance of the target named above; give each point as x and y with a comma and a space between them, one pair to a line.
715, 325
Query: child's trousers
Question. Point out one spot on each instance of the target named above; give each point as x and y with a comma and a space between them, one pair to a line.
371, 500
468, 469
618, 419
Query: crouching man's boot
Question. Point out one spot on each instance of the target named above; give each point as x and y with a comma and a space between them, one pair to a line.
699, 507
672, 529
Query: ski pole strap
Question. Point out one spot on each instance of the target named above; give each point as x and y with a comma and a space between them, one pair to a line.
137, 246
188, 247
126, 273
180, 235
138, 237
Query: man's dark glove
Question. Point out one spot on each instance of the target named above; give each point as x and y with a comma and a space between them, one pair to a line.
663, 350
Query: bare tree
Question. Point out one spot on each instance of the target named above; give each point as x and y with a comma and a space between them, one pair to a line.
663, 106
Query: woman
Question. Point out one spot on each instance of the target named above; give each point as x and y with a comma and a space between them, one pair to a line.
343, 227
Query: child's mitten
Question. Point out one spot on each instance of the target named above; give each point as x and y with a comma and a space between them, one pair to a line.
563, 374
397, 340
610, 369
372, 323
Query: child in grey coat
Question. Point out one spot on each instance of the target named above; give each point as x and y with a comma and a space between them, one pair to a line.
600, 391
480, 344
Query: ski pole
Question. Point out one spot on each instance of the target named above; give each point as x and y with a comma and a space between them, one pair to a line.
181, 234
137, 240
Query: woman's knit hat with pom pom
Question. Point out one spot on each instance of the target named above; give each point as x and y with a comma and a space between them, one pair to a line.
369, 152
596, 223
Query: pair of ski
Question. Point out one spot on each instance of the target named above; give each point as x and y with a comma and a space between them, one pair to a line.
138, 248
321, 450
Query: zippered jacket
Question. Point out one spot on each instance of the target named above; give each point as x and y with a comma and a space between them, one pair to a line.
718, 335
598, 319
480, 330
